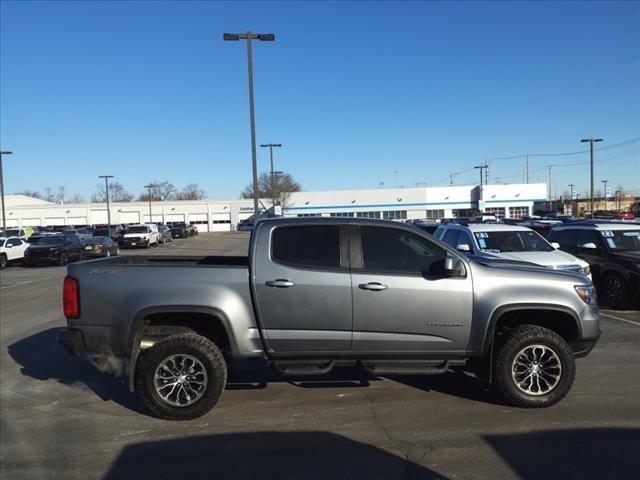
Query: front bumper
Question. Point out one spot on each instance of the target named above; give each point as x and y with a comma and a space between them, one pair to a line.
133, 242
72, 341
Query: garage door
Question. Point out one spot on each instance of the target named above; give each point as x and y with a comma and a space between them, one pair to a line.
12, 222
220, 222
99, 217
200, 221
76, 220
30, 222
129, 217
175, 217
54, 221
157, 219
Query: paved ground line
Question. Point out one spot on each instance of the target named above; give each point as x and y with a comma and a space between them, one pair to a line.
620, 318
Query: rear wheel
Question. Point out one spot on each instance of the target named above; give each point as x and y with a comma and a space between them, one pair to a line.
615, 291
181, 377
63, 259
533, 367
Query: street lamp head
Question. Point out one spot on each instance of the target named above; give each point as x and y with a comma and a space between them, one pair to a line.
231, 37
6, 152
586, 140
266, 37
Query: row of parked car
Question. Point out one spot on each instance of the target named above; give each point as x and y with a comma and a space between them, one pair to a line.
606, 251
59, 247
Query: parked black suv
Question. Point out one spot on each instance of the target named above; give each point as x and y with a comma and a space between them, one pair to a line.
613, 253
54, 249
180, 230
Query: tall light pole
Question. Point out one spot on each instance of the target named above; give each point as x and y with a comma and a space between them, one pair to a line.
526, 168
605, 192
4, 218
263, 37
571, 197
549, 166
591, 141
150, 186
273, 177
106, 190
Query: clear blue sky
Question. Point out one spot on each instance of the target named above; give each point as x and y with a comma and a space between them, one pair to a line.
355, 91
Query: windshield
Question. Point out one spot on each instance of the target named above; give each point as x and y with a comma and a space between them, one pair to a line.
621, 240
50, 240
140, 229
513, 241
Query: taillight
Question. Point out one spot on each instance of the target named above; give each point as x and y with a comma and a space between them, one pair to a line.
70, 298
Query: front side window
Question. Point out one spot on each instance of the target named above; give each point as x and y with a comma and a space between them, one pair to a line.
588, 236
315, 246
451, 237
391, 249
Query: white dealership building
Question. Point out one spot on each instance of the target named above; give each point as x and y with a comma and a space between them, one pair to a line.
510, 201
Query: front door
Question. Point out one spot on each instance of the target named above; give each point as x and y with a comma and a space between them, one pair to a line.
303, 289
402, 298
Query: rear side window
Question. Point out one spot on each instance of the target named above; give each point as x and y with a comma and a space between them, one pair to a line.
315, 246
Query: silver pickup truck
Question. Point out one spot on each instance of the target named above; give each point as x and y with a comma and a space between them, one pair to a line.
314, 293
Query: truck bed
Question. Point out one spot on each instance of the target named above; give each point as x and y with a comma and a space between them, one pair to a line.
166, 261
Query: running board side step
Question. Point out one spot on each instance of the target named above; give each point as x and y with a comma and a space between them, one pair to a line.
297, 367
409, 367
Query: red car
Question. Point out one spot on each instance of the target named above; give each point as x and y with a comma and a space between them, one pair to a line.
627, 215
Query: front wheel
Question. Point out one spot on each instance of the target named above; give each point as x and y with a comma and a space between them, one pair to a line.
615, 291
3, 261
181, 377
533, 367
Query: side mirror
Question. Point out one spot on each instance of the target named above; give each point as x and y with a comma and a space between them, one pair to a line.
451, 265
590, 246
463, 247
555, 245
8, 246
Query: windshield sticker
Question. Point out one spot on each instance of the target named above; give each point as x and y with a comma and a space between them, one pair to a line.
607, 234
611, 243
631, 234
482, 243
482, 235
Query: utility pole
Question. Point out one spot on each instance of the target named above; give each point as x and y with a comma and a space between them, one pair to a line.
273, 176
263, 37
106, 190
150, 186
617, 200
481, 167
591, 141
451, 175
605, 192
4, 217
549, 166
526, 168
486, 172
571, 197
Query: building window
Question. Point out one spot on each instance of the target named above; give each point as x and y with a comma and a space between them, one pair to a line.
518, 212
497, 211
341, 214
395, 215
309, 215
368, 214
198, 222
220, 221
463, 212
435, 214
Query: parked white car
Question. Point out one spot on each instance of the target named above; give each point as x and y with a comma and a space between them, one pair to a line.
140, 236
11, 249
509, 242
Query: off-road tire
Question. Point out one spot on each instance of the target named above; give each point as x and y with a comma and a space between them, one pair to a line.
507, 348
615, 291
197, 346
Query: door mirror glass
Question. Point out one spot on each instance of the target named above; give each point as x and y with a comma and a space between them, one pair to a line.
452, 265
463, 247
589, 246
555, 245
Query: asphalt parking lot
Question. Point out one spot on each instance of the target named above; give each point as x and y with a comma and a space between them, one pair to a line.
62, 418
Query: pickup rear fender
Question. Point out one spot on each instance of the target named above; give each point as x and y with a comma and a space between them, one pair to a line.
526, 307
137, 328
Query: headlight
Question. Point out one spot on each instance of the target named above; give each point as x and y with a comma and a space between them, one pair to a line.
587, 294
54, 249
586, 270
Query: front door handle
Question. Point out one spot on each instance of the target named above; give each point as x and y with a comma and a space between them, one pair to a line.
279, 283
375, 286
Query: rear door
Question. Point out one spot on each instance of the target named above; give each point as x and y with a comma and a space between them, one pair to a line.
402, 300
303, 287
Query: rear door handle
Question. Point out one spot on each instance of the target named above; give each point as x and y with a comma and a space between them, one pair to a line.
375, 286
279, 283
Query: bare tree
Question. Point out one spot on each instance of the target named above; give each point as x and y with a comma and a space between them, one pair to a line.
60, 196
30, 193
76, 198
281, 188
161, 191
117, 193
48, 195
191, 192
